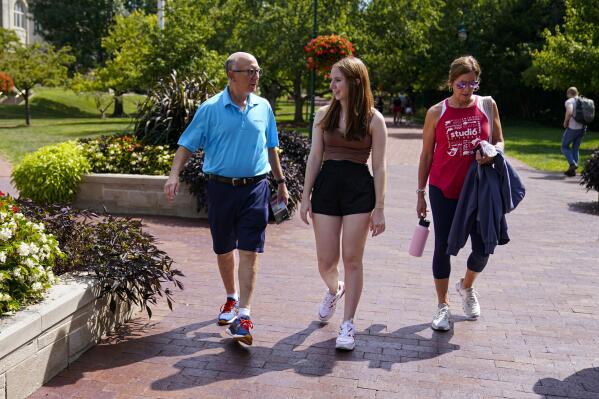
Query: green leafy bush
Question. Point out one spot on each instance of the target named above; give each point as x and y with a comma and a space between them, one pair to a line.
123, 257
125, 154
27, 256
294, 150
52, 173
590, 173
170, 107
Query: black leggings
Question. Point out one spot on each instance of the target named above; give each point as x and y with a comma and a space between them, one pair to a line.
443, 211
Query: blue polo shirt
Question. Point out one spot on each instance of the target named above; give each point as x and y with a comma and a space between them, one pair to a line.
235, 142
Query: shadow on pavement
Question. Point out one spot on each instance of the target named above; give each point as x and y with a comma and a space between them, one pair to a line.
582, 384
591, 208
228, 360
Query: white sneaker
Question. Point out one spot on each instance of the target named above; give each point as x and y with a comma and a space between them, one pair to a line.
329, 303
469, 300
442, 320
345, 339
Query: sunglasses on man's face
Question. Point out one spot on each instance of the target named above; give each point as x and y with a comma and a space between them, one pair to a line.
462, 85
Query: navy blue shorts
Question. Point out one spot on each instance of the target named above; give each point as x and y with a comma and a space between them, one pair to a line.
237, 215
343, 188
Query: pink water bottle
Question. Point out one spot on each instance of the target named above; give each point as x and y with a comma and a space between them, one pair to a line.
419, 237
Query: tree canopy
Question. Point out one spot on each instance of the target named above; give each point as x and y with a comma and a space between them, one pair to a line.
36, 64
570, 55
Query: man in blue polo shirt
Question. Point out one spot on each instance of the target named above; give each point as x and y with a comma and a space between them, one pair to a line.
238, 133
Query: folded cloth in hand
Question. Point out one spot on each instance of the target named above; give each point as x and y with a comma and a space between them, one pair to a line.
487, 148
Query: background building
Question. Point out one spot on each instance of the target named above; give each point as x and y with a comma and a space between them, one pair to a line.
15, 15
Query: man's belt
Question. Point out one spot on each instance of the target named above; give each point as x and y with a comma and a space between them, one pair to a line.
237, 181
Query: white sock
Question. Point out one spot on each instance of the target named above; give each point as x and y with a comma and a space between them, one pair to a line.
244, 312
233, 296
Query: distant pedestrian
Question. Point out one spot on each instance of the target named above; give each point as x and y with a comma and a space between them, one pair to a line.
452, 128
342, 198
573, 134
237, 131
379, 104
397, 110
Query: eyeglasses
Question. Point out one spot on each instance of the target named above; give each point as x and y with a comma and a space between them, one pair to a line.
250, 72
462, 85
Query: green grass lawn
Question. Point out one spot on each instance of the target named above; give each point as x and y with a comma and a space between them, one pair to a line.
285, 113
540, 146
56, 115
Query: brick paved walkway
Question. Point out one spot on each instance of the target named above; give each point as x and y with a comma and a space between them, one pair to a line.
5, 185
537, 336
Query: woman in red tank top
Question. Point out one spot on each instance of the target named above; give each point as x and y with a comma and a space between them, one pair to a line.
452, 130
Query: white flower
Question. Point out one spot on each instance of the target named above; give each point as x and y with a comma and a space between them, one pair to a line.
51, 277
5, 234
3, 216
19, 215
2, 257
41, 269
29, 263
37, 286
16, 272
23, 249
33, 248
43, 238
39, 226
4, 297
12, 226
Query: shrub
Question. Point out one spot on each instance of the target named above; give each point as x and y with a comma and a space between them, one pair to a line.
590, 173
117, 251
27, 256
125, 154
51, 174
294, 150
170, 107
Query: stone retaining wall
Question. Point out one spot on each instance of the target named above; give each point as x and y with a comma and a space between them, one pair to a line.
40, 341
134, 195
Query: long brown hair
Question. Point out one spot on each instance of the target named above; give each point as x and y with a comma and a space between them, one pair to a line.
359, 101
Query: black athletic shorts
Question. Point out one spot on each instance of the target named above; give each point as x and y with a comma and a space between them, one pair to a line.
343, 188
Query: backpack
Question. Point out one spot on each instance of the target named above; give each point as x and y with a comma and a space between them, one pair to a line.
585, 110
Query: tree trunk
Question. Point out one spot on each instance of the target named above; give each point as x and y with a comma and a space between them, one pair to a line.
118, 106
297, 98
271, 93
27, 116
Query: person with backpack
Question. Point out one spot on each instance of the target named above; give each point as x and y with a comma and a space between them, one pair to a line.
579, 112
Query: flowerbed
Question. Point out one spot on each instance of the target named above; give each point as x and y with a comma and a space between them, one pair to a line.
27, 257
126, 154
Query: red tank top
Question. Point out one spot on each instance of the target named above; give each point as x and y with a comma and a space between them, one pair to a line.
457, 133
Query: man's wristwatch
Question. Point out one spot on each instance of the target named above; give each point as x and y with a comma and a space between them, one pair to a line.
280, 181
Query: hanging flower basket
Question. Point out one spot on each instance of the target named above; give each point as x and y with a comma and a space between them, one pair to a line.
6, 83
323, 51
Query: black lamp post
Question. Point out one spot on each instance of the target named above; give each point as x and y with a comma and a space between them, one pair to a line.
313, 72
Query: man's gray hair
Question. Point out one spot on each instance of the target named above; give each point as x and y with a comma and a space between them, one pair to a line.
229, 64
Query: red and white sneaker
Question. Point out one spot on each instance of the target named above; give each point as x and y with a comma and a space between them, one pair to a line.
228, 312
346, 338
329, 303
